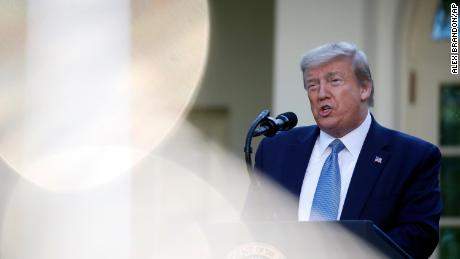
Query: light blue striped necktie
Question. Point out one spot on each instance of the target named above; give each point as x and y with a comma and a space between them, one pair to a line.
327, 196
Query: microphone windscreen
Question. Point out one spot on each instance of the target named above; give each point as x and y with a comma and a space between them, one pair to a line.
289, 118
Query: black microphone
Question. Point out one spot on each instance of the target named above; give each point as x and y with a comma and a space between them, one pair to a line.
269, 127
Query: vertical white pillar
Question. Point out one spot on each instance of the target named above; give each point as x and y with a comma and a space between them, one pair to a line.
77, 131
77, 95
385, 64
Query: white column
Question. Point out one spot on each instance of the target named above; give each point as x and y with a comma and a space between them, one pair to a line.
385, 64
76, 133
77, 97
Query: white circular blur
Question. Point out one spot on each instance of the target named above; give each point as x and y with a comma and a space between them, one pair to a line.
91, 87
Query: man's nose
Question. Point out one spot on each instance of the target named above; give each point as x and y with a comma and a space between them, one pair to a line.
323, 91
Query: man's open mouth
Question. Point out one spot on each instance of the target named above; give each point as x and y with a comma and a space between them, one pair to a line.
325, 110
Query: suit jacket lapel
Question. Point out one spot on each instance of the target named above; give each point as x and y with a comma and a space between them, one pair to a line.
296, 161
371, 161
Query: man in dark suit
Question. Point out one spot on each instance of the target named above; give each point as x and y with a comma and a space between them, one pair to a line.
350, 167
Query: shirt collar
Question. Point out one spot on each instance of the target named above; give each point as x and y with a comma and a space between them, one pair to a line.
353, 141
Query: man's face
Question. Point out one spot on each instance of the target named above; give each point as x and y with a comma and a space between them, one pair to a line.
338, 102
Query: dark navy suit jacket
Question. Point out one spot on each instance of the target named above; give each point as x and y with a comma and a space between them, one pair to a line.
395, 181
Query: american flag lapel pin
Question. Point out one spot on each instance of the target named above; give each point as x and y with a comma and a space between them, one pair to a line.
378, 159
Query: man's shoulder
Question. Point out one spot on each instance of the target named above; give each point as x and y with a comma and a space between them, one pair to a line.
294, 135
404, 140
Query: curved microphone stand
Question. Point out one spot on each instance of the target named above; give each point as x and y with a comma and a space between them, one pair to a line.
247, 147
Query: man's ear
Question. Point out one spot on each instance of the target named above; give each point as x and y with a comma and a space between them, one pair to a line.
366, 90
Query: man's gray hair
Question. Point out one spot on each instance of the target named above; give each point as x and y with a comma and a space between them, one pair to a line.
329, 51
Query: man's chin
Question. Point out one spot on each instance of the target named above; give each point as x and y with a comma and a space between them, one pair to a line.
329, 127
326, 128
326, 122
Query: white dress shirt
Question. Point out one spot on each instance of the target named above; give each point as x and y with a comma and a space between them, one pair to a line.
353, 142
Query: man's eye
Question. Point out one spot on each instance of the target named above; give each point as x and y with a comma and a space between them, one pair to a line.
336, 81
311, 86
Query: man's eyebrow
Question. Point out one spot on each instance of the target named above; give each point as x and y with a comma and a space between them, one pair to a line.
334, 73
312, 80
